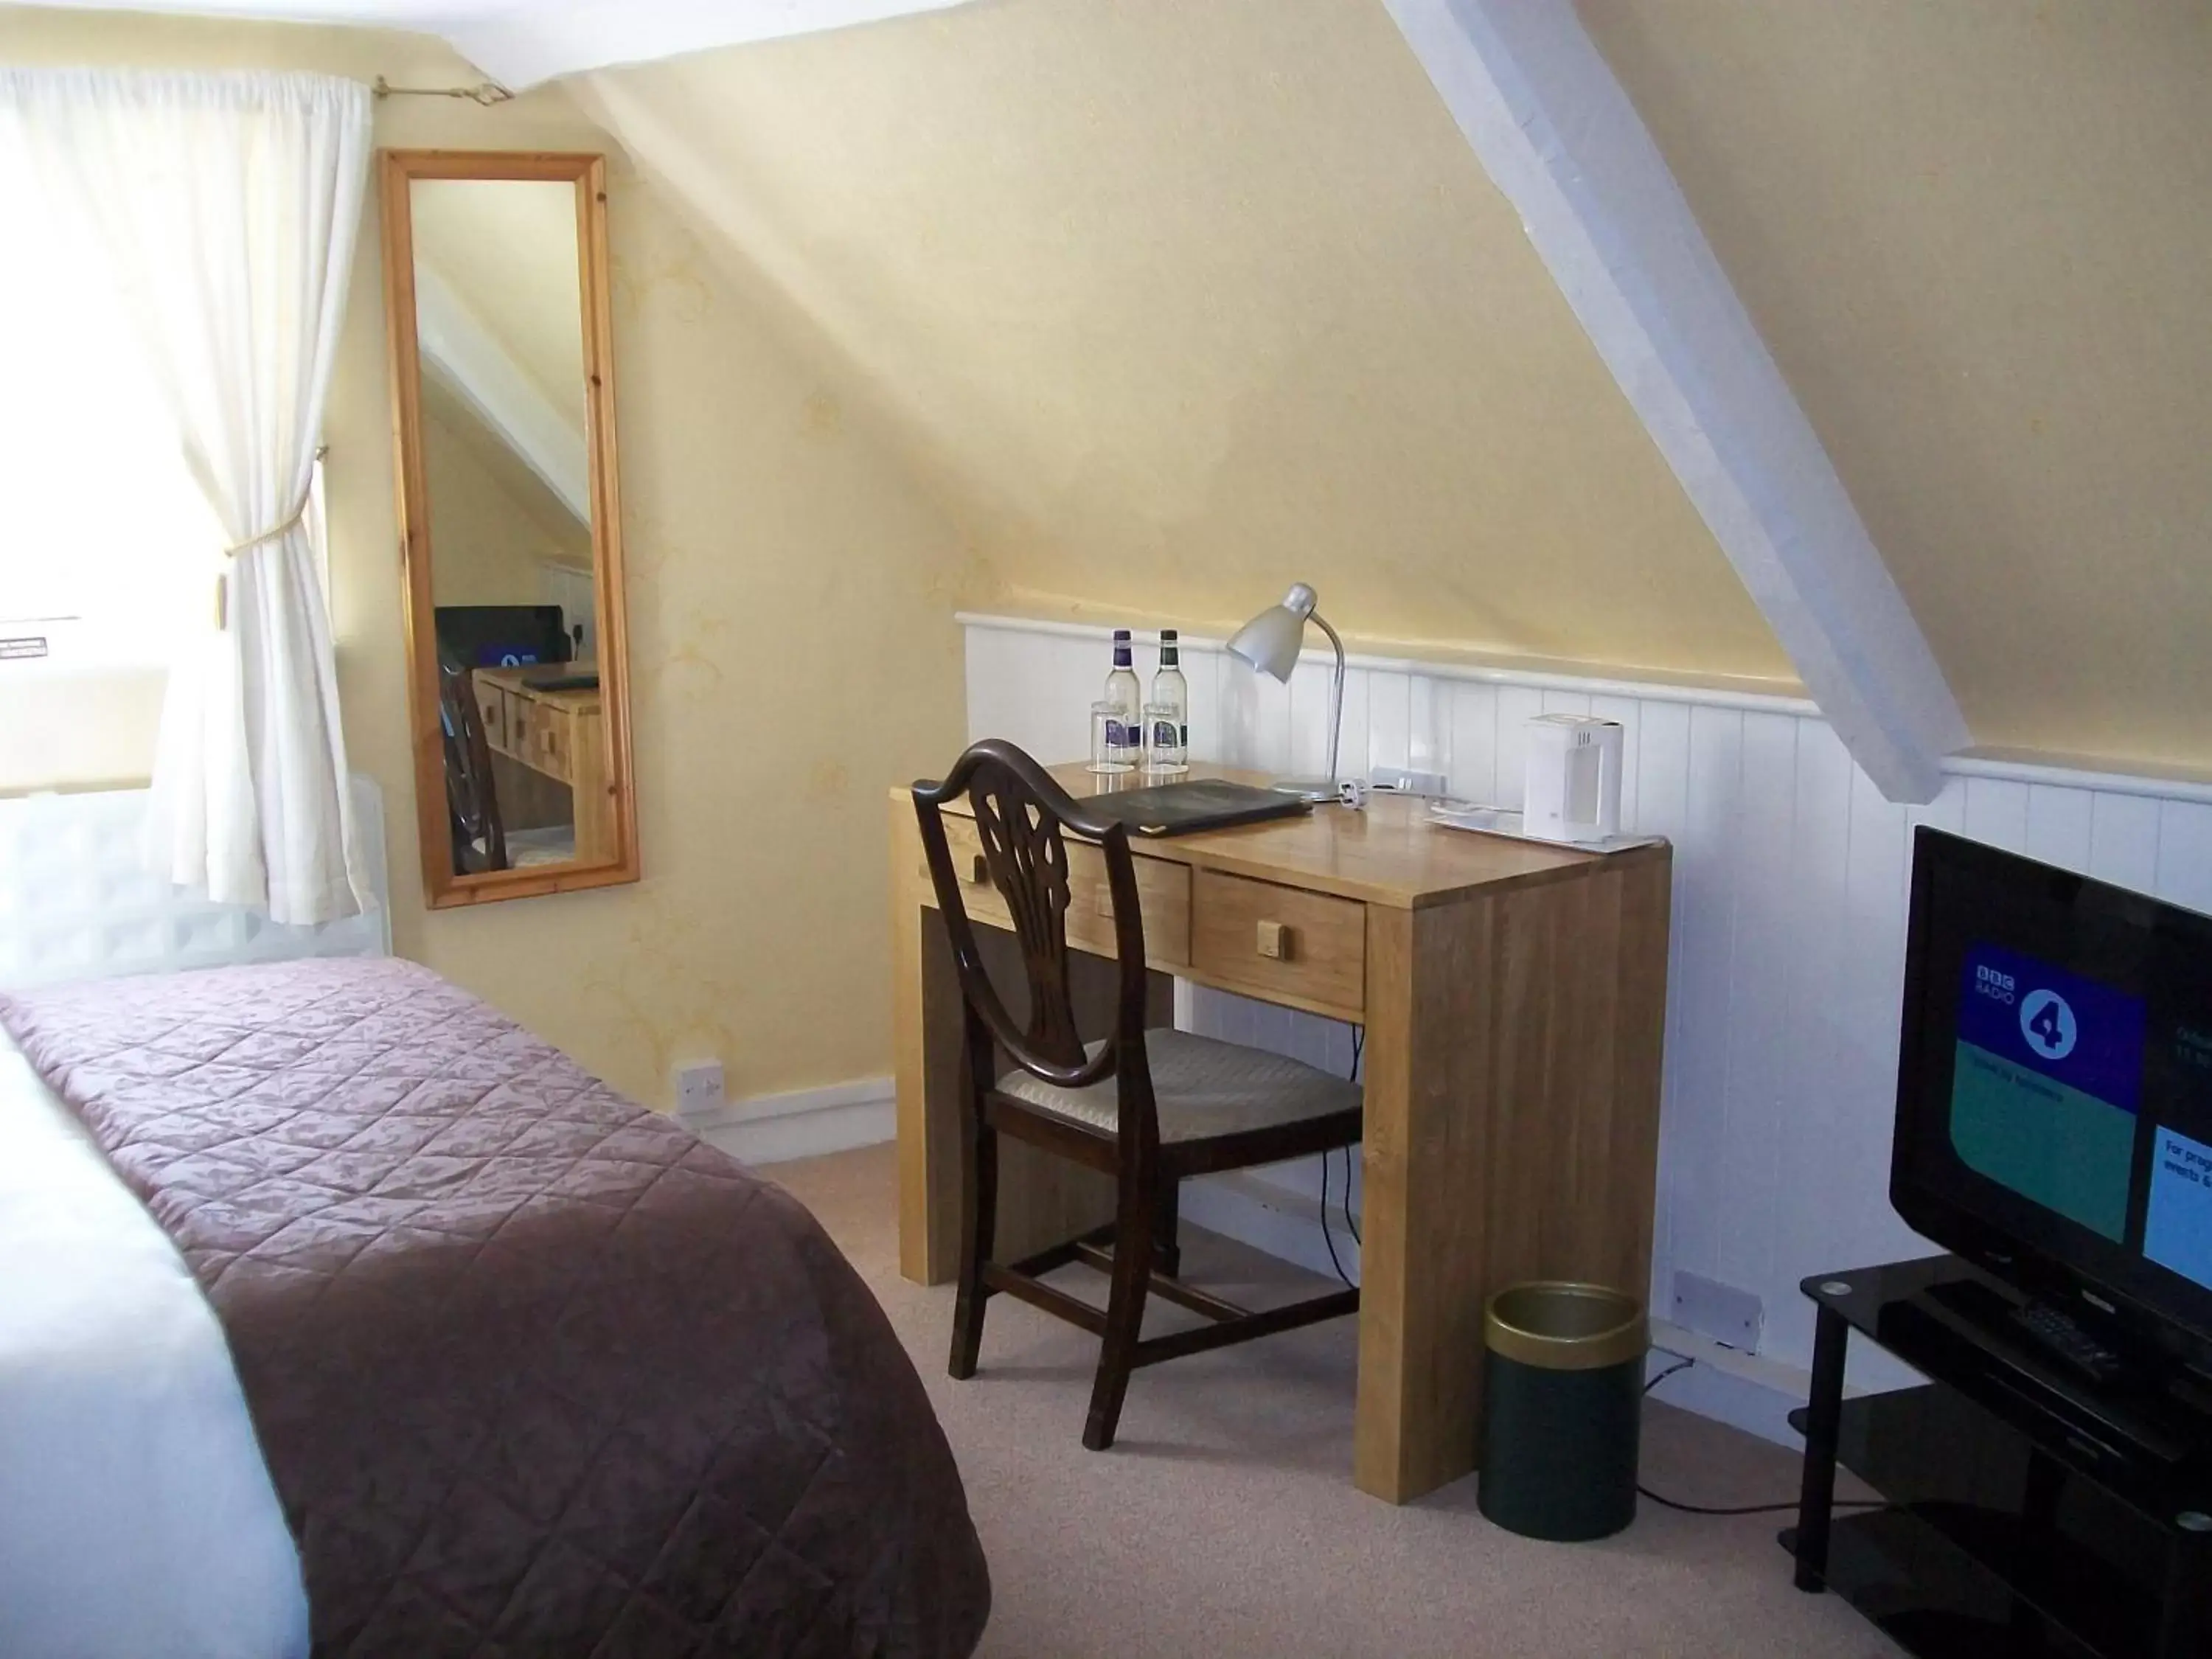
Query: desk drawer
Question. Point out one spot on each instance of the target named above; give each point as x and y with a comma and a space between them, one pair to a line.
491, 707
1163, 896
1280, 944
552, 741
1163, 899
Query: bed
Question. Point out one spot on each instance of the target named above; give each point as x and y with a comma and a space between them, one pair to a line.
350, 1316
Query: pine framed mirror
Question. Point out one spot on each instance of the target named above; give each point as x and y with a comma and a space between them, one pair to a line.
495, 282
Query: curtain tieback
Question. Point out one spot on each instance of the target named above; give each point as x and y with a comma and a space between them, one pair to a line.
280, 530
222, 580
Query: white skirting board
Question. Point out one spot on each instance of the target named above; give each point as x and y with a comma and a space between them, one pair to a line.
804, 1123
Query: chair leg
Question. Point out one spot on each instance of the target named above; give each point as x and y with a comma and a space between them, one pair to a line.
1167, 1250
979, 1219
1133, 1234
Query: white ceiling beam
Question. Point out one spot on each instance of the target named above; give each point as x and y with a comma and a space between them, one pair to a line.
522, 47
1560, 139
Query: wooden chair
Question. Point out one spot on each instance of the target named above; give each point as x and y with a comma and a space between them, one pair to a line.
481, 840
472, 799
1145, 1107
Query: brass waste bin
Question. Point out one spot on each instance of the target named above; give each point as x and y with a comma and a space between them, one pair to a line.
1563, 1393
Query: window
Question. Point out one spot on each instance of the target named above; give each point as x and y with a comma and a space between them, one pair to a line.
105, 539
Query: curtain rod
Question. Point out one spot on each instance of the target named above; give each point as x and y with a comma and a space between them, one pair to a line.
486, 93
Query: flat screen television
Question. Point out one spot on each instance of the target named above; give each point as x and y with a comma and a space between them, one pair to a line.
2054, 1103
500, 636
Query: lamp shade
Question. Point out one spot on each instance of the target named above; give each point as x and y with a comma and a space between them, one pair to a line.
1271, 641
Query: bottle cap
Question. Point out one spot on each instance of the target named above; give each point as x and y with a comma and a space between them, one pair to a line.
1167, 636
1120, 636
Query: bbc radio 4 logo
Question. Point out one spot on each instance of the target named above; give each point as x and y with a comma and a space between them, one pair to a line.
2078, 1031
2047, 1021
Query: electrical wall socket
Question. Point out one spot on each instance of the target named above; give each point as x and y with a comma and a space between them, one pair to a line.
1402, 781
1732, 1317
698, 1088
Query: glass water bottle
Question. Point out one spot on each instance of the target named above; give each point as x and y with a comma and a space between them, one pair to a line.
1167, 713
1124, 734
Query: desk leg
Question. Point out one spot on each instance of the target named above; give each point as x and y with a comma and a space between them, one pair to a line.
928, 1144
1824, 1410
1512, 1113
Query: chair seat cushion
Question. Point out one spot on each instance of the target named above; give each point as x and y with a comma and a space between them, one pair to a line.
1203, 1087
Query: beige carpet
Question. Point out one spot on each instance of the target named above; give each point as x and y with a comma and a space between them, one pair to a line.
1224, 1523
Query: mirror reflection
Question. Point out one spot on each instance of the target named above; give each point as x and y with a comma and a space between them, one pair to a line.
506, 458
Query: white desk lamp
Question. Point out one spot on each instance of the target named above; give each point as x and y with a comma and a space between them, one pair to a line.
1271, 642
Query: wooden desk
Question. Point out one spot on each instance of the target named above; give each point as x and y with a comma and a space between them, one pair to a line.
560, 734
1514, 1000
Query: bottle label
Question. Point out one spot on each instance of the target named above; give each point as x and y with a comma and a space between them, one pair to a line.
1166, 734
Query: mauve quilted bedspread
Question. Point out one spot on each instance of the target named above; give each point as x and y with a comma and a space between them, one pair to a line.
536, 1372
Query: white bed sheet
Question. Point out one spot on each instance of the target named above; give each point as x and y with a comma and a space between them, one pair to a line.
136, 1516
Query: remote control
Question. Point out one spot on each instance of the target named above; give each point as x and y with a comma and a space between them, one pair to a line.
2069, 1344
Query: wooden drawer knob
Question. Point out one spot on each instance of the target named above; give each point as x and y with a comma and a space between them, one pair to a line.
1277, 942
980, 876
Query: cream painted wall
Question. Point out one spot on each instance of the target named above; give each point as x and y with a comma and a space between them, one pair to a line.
1977, 237
792, 643
1188, 300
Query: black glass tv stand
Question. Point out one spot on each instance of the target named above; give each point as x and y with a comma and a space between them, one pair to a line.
2030, 1512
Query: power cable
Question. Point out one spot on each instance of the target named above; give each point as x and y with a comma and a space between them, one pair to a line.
1735, 1509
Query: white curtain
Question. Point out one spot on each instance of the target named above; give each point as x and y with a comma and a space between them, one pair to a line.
227, 204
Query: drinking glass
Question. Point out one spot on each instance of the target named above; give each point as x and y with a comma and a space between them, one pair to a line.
1166, 752
1111, 750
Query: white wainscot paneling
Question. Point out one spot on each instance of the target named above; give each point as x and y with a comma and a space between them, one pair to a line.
1786, 962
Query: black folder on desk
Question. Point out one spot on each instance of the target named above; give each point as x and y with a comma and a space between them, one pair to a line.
1181, 809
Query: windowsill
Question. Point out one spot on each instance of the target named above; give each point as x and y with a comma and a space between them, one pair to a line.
87, 717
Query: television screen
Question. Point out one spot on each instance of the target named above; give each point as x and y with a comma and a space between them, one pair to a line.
2055, 1083
500, 636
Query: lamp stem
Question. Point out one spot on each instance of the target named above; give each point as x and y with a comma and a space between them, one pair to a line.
1335, 697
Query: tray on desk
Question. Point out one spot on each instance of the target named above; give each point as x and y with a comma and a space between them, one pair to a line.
1183, 809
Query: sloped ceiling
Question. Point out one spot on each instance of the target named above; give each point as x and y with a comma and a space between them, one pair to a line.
1189, 300
1977, 238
